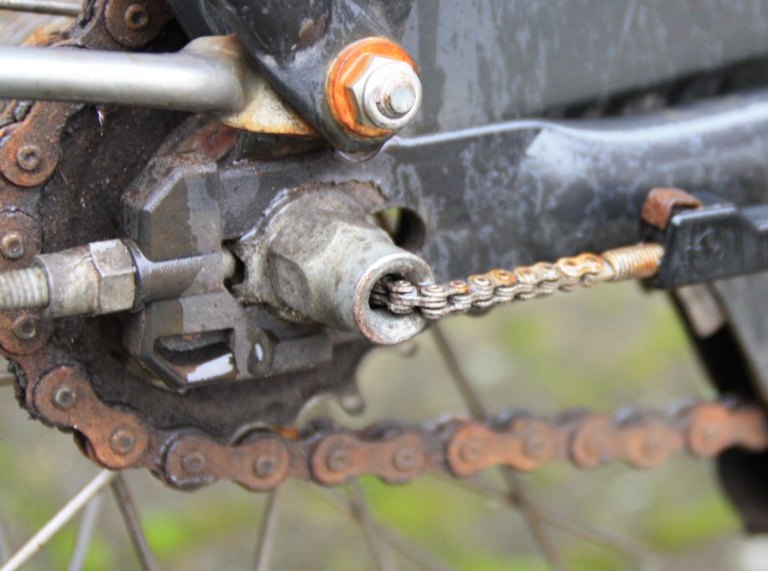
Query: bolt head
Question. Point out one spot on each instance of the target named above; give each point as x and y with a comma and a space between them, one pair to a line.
122, 441
338, 460
193, 463
405, 459
28, 157
136, 17
64, 397
25, 327
387, 94
265, 466
12, 246
471, 451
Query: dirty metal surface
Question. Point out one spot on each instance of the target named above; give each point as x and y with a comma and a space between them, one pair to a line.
485, 61
518, 192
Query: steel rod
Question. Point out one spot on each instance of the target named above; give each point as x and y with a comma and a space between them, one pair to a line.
51, 7
130, 514
267, 531
85, 533
361, 513
57, 522
191, 80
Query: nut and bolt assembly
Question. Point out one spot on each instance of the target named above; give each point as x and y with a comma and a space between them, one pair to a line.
373, 88
388, 94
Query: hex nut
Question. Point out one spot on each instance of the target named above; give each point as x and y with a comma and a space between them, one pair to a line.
89, 280
393, 94
115, 269
387, 93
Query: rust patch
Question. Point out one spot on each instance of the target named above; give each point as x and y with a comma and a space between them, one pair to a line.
64, 397
658, 207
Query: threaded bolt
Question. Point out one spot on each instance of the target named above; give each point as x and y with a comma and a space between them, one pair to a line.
24, 289
391, 95
634, 262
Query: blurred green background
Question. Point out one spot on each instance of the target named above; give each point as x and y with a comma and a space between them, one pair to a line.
603, 348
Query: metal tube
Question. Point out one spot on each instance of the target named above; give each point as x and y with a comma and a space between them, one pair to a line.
196, 79
52, 7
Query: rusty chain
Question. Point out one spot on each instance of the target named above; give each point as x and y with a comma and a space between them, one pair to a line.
480, 291
328, 454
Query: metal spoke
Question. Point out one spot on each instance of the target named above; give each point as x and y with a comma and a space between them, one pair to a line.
5, 551
568, 524
65, 515
378, 549
85, 533
267, 530
51, 7
514, 486
132, 523
413, 553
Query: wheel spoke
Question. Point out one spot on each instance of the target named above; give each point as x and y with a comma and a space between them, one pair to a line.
267, 531
568, 523
85, 533
132, 523
410, 551
515, 487
57, 522
51, 7
5, 552
379, 550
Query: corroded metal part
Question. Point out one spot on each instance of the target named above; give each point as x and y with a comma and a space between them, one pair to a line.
134, 23
480, 291
89, 280
659, 206
348, 90
317, 259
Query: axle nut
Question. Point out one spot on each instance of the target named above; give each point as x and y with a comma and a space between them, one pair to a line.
374, 88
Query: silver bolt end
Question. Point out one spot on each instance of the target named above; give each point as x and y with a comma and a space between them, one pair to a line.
391, 96
24, 289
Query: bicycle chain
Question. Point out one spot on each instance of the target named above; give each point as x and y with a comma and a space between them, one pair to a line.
481, 291
328, 454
